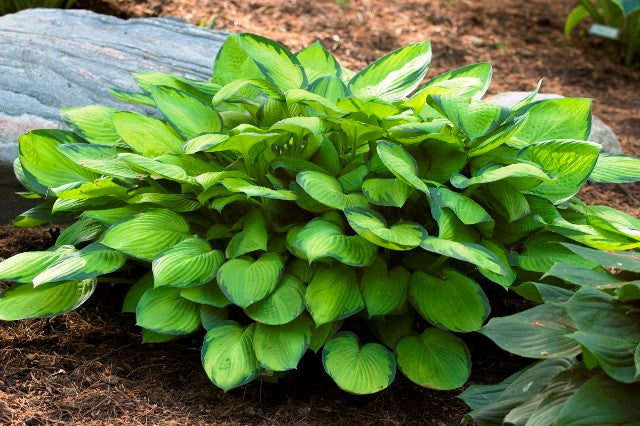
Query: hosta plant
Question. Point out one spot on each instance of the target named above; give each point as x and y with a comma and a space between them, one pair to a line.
289, 204
591, 310
621, 14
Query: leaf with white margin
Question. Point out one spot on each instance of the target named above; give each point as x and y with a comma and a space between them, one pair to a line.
320, 238
163, 310
616, 168
327, 190
467, 210
189, 263
207, 294
228, 357
358, 369
145, 235
22, 301
210, 316
395, 75
24, 267
282, 306
93, 260
454, 302
436, 359
384, 292
245, 281
280, 347
372, 226
570, 162
93, 123
333, 294
495, 173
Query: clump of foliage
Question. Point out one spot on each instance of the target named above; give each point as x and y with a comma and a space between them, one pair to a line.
591, 310
621, 14
288, 205
12, 6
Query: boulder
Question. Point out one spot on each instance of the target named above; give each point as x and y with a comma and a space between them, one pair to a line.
600, 132
52, 58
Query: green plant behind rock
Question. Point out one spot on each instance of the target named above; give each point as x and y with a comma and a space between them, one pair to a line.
12, 6
288, 205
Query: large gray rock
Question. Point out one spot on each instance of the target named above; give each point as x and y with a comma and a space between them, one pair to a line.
54, 58
600, 132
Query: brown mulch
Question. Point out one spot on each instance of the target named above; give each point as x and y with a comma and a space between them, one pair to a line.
88, 367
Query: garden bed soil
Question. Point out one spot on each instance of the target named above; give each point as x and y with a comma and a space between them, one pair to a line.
88, 367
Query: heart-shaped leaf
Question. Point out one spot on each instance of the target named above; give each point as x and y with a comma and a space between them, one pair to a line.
282, 306
24, 267
252, 237
227, 355
318, 62
245, 281
436, 359
93, 123
189, 263
320, 238
327, 190
280, 347
384, 292
333, 294
455, 302
208, 294
372, 226
163, 310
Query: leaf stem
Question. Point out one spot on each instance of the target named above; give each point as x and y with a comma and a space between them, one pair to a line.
437, 263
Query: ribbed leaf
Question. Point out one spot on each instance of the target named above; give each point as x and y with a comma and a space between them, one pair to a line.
136, 291
358, 369
333, 294
436, 359
83, 230
99, 158
145, 235
147, 135
616, 168
22, 301
468, 252
467, 210
252, 237
395, 75
496, 173
627, 261
384, 292
372, 226
24, 267
163, 310
399, 162
227, 355
189, 263
386, 192
320, 238
280, 347
208, 294
476, 118
282, 306
93, 260
318, 62
93, 123
148, 165
327, 190
245, 281
210, 316
188, 114
252, 190
454, 302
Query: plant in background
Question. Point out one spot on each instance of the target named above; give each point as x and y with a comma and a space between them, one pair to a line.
12, 6
621, 14
288, 205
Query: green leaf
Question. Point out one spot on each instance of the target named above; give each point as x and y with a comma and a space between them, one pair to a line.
252, 237
163, 310
188, 114
454, 302
98, 158
176, 202
626, 260
327, 190
283, 305
276, 62
577, 15
147, 135
189, 263
148, 165
616, 168
476, 118
103, 187
539, 332
245, 281
563, 118
320, 238
210, 316
208, 294
24, 267
232, 63
136, 291
399, 162
358, 369
391, 329
384, 292
372, 226
468, 252
93, 123
323, 333
543, 250
318, 62
467, 210
83, 230
251, 190
280, 347
330, 88
227, 355
395, 75
386, 192
569, 162
145, 235
93, 260
333, 294
436, 359
22, 301
40, 158
495, 173
507, 200
601, 401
